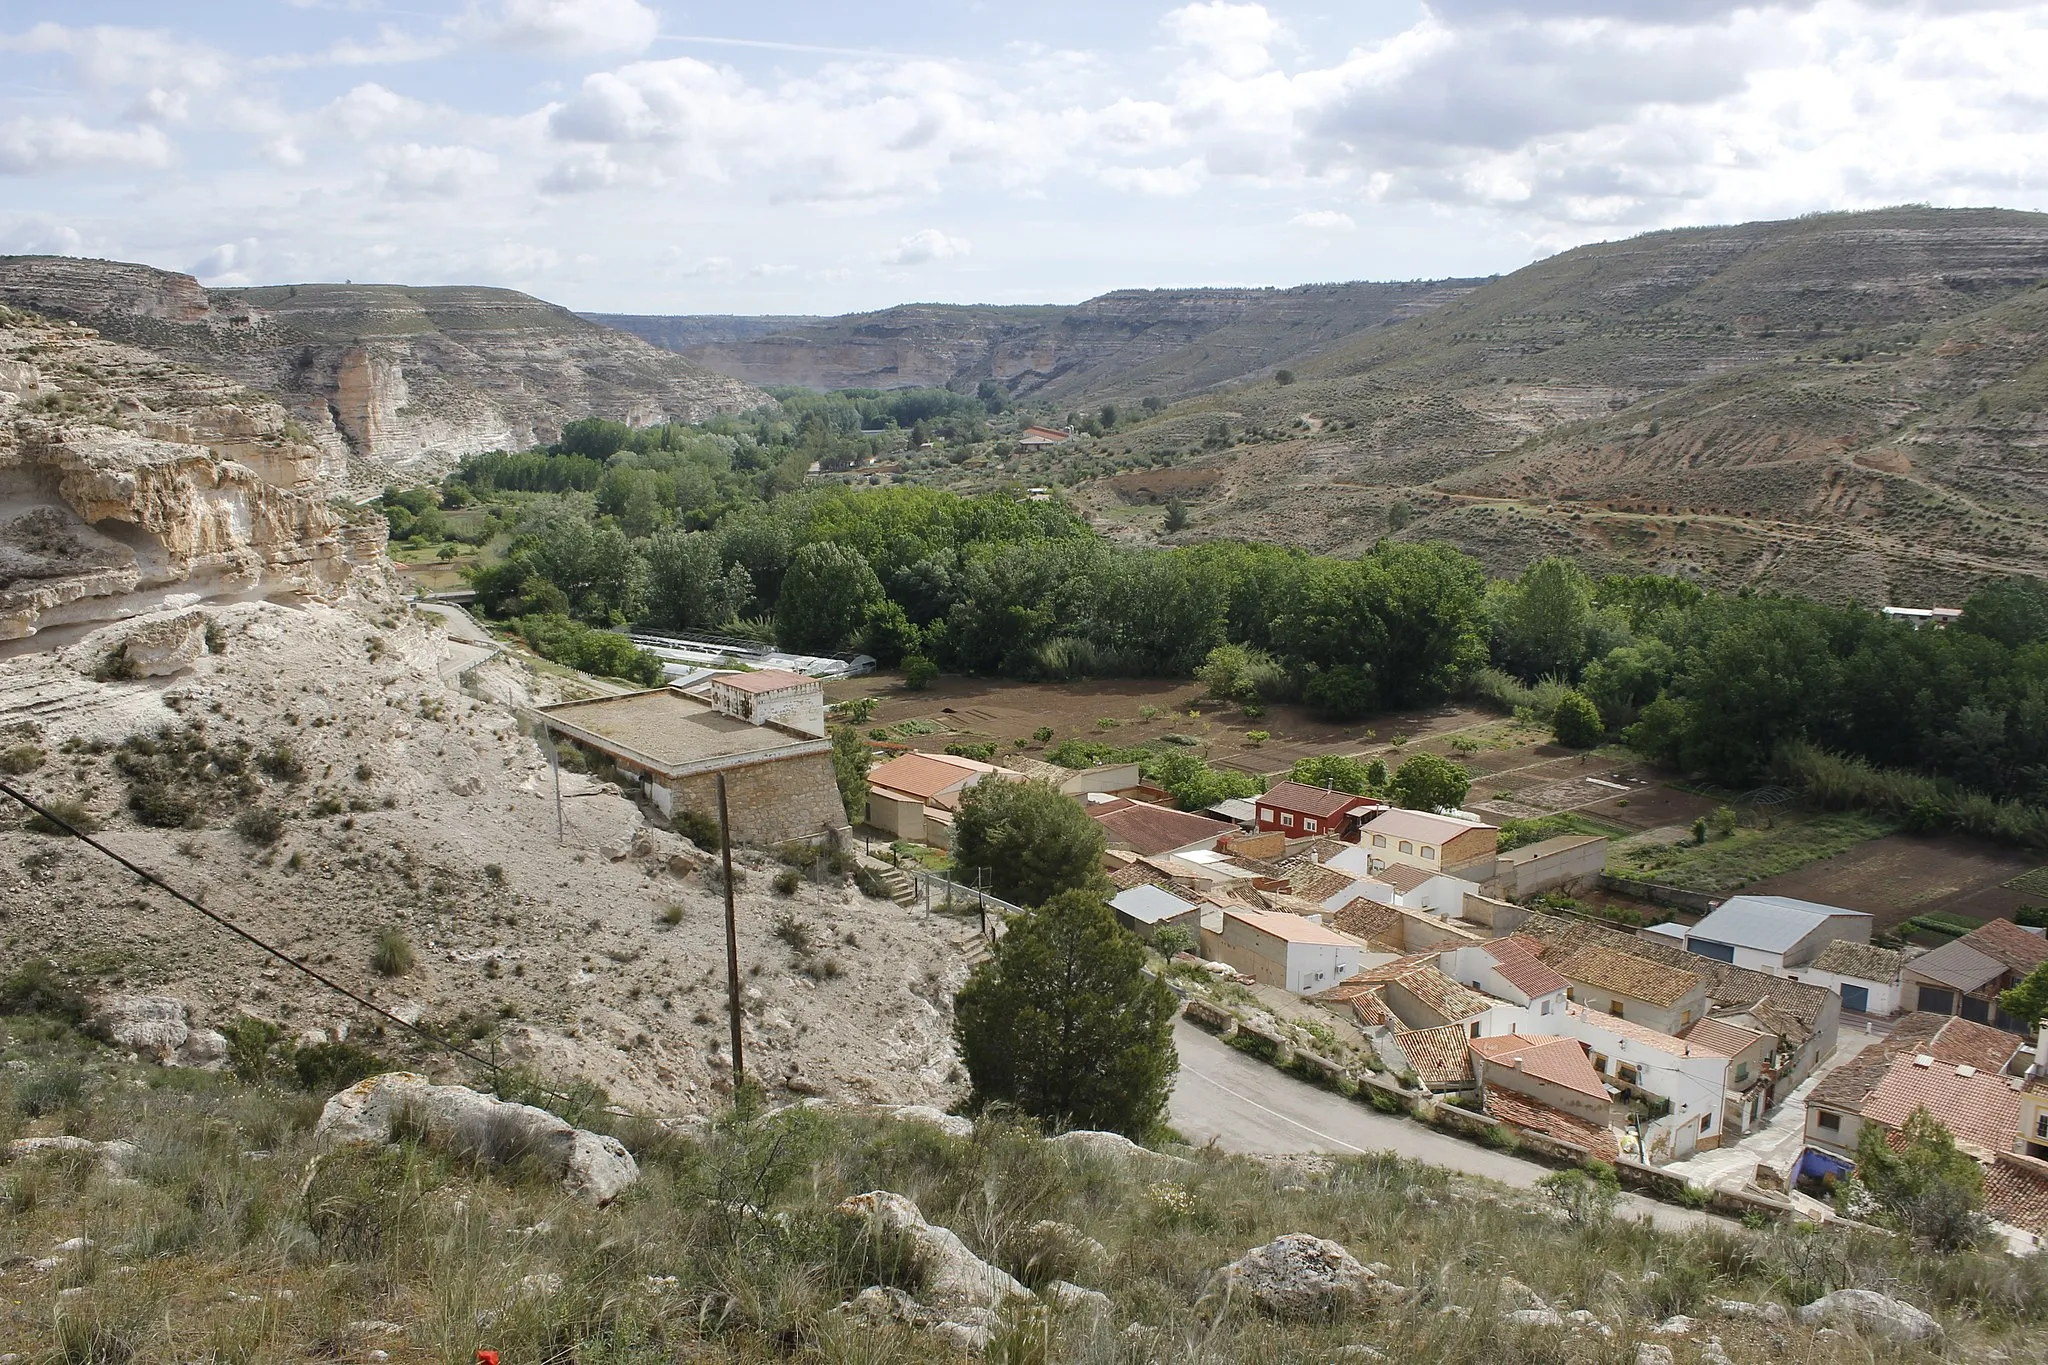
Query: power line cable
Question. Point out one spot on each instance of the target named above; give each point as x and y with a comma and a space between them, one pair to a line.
160, 884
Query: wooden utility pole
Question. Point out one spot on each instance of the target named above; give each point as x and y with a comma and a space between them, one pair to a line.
732, 944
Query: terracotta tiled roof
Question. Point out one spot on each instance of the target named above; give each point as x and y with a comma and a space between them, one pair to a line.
1402, 877
1438, 1055
1532, 946
1370, 1006
1795, 1009
2016, 1191
1519, 1111
1560, 1061
1722, 1038
1398, 968
1522, 970
1371, 921
1155, 829
1420, 825
2019, 950
1306, 800
1138, 874
1982, 1110
1863, 961
1443, 997
924, 776
1627, 974
1849, 1085
1668, 1044
764, 680
1313, 882
1978, 1045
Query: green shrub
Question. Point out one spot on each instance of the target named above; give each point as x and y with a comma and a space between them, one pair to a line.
699, 828
70, 812
49, 1089
20, 760
787, 881
37, 987
392, 954
260, 825
160, 806
324, 1068
250, 1047
1576, 721
919, 672
1043, 734
980, 753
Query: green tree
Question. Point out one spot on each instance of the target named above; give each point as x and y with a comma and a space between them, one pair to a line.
2012, 611
1577, 721
1342, 692
1929, 1189
1063, 1021
918, 672
1176, 516
1031, 840
851, 759
1193, 783
1545, 623
1427, 782
2027, 1000
690, 584
1334, 772
826, 597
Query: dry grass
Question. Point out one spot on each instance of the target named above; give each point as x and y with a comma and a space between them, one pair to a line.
727, 1250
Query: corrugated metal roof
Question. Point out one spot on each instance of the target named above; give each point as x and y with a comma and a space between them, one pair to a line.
1150, 904
1767, 924
1959, 965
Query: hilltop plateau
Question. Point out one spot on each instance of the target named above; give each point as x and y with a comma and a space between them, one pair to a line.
384, 379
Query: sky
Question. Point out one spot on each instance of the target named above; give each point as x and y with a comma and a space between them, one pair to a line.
662, 156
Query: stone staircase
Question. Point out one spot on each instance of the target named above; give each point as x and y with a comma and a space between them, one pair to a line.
897, 884
972, 947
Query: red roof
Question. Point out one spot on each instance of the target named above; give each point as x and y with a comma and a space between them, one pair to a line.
1522, 970
1520, 1111
1155, 829
1983, 1111
1560, 1061
1306, 800
1437, 1054
2005, 941
2016, 1191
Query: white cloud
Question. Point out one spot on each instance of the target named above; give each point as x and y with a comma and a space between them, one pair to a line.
37, 146
370, 108
922, 248
1233, 39
412, 171
1322, 220
562, 26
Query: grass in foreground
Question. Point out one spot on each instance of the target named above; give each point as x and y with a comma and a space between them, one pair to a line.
727, 1251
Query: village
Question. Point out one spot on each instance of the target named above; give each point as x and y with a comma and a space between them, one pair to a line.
1741, 1048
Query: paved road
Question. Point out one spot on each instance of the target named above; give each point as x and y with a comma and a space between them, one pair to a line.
1247, 1106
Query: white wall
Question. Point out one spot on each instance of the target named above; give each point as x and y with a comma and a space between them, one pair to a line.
1695, 1085
1885, 996
1318, 966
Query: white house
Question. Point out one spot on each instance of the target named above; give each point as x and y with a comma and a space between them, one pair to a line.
768, 696
1864, 975
1774, 933
1406, 885
1287, 950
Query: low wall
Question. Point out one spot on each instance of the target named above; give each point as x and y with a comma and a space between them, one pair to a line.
1209, 1016
1659, 894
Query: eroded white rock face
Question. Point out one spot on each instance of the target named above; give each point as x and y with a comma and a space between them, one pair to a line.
153, 1025
1872, 1314
1300, 1276
114, 1157
1113, 1146
952, 1125
592, 1166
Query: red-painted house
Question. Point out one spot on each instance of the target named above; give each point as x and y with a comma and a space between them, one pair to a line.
1302, 812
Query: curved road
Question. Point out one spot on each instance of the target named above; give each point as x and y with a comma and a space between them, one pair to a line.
1245, 1106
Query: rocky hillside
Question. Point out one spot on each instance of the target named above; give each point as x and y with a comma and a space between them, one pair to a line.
385, 378
1126, 345
128, 483
316, 772
1847, 404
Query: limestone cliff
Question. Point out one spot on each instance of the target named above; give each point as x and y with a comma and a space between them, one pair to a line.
1164, 342
127, 484
385, 379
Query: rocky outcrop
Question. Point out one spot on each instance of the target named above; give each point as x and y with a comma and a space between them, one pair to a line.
592, 1167
158, 1027
1300, 1276
127, 485
1872, 1314
385, 378
950, 1276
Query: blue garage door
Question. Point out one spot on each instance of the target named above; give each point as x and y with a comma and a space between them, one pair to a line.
1856, 998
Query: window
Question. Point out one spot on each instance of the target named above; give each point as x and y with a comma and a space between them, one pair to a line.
1629, 1075
1265, 812
1830, 1123
1286, 819
1741, 1072
1407, 847
2041, 1124
1684, 1021
1614, 1008
1706, 1123
1308, 824
1571, 992
1429, 852
1475, 1028
1599, 1062
1379, 841
1545, 1008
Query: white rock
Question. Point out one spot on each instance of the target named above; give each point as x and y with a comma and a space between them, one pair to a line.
1872, 1314
1514, 1291
952, 1276
376, 1327
540, 1285
1653, 1353
115, 1157
952, 1125
1073, 1298
153, 1025
1713, 1354
1114, 1146
1532, 1317
204, 1049
73, 1245
1772, 1313
591, 1166
1299, 1276
1677, 1325
1583, 1320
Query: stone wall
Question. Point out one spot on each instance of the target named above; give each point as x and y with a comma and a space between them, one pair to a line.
770, 802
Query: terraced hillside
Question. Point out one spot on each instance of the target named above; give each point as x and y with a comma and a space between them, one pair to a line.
1846, 404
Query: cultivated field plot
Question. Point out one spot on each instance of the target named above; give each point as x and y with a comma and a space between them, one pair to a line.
1902, 875
1001, 710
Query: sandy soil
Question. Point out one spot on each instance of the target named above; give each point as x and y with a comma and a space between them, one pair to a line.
560, 946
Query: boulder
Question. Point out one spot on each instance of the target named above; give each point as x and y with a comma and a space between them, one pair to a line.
952, 1125
1532, 1317
165, 645
1113, 1146
1771, 1313
1060, 1251
114, 1157
1072, 1298
204, 1049
152, 1025
1872, 1314
1653, 1353
591, 1166
1300, 1276
967, 1329
952, 1277
1677, 1325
